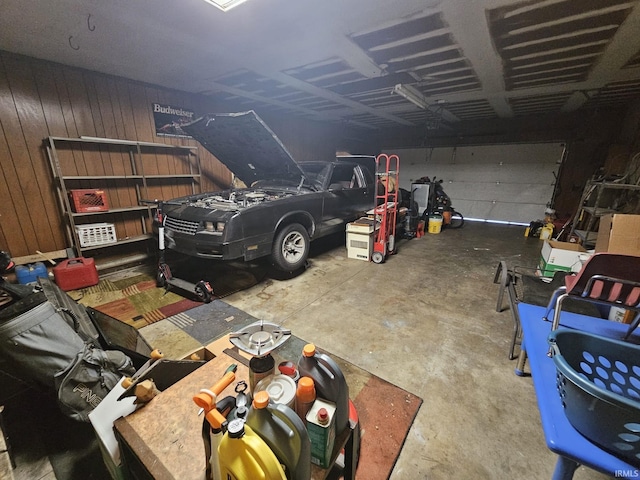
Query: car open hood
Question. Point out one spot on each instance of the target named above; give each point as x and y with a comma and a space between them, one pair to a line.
244, 143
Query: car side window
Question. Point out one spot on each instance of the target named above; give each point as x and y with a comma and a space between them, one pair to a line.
367, 177
345, 176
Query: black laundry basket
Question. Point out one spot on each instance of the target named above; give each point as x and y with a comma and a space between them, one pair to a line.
598, 380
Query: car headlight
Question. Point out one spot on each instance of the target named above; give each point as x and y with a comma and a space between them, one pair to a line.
214, 227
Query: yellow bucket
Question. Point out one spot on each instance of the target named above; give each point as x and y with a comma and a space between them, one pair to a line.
435, 223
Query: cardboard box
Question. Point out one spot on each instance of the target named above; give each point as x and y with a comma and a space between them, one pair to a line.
216, 349
619, 233
362, 225
202, 353
559, 256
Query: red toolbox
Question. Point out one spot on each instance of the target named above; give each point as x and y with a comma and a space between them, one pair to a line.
76, 273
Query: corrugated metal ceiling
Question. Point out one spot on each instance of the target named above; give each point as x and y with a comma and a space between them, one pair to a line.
339, 61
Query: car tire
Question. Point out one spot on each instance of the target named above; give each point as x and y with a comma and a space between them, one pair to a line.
290, 247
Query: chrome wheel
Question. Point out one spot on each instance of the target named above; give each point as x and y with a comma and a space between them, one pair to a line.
294, 247
291, 247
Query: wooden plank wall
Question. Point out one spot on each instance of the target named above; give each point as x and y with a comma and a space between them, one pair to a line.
39, 99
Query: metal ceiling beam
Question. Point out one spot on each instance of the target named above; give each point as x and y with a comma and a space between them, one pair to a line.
328, 95
358, 59
608, 68
474, 38
241, 93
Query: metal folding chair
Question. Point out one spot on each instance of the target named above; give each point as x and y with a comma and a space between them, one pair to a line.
522, 285
605, 279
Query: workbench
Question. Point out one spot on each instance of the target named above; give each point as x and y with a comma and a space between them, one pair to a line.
561, 437
163, 439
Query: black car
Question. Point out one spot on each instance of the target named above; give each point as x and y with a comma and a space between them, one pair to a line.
284, 205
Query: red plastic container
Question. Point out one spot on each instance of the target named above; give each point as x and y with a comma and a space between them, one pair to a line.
88, 200
76, 273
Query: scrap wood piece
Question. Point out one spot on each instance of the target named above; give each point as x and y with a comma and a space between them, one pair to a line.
39, 256
46, 257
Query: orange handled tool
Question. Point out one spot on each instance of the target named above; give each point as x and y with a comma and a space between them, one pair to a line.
206, 398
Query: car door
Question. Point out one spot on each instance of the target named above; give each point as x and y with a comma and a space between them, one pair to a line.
349, 195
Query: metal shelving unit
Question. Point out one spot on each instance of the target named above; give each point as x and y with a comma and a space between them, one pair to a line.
598, 199
140, 180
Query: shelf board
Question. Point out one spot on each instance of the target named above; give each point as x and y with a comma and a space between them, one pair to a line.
139, 238
179, 175
586, 237
622, 186
102, 177
598, 212
129, 177
138, 208
113, 141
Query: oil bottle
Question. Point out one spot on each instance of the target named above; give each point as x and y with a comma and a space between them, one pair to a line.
285, 434
329, 382
244, 455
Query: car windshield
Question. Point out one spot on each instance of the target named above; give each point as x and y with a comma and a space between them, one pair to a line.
289, 183
316, 173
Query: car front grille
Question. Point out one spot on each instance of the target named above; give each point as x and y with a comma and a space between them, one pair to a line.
181, 226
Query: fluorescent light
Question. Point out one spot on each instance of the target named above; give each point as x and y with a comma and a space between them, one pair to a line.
411, 94
225, 5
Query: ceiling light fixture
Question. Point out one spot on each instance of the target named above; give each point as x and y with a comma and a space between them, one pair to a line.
225, 5
411, 94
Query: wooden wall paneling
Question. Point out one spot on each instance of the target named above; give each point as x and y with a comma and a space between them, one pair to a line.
44, 74
33, 172
122, 193
215, 175
171, 97
173, 159
71, 160
103, 165
12, 203
164, 165
143, 128
127, 128
198, 105
125, 121
126, 124
82, 120
181, 162
50, 99
167, 162
3, 239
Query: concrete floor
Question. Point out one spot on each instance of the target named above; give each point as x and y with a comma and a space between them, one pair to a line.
425, 320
